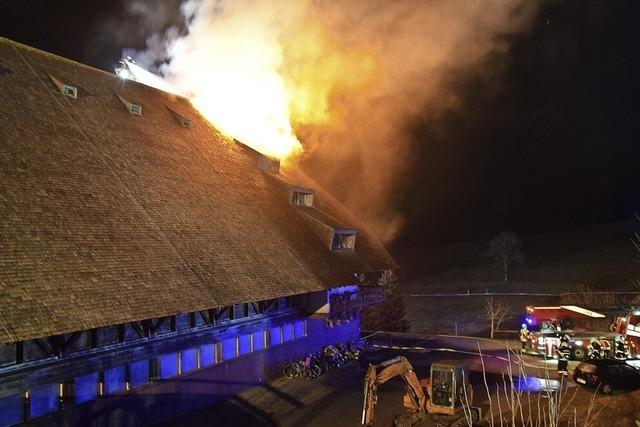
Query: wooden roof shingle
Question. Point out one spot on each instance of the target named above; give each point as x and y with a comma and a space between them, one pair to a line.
107, 217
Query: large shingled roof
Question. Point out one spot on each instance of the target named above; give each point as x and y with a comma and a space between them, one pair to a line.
108, 217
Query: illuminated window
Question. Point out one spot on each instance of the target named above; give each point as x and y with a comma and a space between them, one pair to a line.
207, 355
229, 349
70, 91
302, 197
87, 387
343, 240
139, 373
135, 109
11, 409
189, 360
114, 380
275, 335
287, 332
257, 339
244, 344
299, 329
43, 400
168, 365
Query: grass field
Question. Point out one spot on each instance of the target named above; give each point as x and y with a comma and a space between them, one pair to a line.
602, 258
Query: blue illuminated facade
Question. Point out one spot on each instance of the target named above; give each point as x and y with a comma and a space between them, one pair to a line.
233, 354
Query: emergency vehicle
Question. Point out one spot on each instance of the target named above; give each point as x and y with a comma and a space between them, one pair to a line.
547, 323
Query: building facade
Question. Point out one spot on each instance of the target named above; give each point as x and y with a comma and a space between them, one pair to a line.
150, 266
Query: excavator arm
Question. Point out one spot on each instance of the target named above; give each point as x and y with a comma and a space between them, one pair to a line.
398, 366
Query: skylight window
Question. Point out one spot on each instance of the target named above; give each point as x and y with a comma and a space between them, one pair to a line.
302, 197
343, 240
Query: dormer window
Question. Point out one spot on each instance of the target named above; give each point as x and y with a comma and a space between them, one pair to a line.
302, 197
64, 88
185, 122
133, 108
70, 91
343, 240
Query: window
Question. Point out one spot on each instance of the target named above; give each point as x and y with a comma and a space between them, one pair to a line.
87, 387
287, 332
207, 355
299, 329
11, 409
114, 380
139, 373
189, 360
168, 365
70, 91
244, 344
302, 197
135, 109
257, 340
43, 400
229, 349
275, 335
343, 240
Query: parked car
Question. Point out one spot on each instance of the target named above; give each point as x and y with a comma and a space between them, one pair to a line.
608, 375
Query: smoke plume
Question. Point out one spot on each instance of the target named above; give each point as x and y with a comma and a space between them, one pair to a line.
336, 82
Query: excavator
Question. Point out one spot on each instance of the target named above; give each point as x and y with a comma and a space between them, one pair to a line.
444, 399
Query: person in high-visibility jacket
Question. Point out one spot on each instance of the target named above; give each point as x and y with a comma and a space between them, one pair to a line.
622, 349
563, 351
524, 336
595, 349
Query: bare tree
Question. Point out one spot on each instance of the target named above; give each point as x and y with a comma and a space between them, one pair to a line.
506, 251
495, 311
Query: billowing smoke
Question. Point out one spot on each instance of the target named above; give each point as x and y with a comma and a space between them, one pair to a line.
342, 79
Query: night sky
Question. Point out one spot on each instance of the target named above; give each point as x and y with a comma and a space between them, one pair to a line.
554, 147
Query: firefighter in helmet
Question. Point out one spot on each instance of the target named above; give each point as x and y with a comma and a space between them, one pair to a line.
622, 349
595, 349
606, 347
563, 352
524, 336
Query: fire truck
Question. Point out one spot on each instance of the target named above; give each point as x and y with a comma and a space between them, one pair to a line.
629, 327
548, 323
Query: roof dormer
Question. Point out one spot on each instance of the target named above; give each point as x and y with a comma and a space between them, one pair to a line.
64, 88
182, 120
302, 197
343, 240
133, 108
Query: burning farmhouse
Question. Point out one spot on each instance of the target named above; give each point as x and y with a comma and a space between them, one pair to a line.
141, 252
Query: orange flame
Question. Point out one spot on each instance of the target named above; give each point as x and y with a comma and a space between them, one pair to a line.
257, 76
